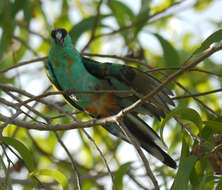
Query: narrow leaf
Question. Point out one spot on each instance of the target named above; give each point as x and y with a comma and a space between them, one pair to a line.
219, 185
185, 114
215, 37
23, 151
119, 174
27, 11
83, 26
7, 25
122, 13
201, 5
142, 15
207, 132
55, 174
184, 171
169, 52
9, 184
215, 125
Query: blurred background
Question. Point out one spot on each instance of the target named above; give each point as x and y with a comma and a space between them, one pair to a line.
145, 34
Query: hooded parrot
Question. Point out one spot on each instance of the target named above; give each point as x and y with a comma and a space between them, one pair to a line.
69, 71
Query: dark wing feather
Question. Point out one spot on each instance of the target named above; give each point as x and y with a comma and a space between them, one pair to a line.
141, 82
145, 136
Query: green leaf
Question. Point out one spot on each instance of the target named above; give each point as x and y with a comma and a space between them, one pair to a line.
201, 5
207, 132
124, 17
169, 52
7, 24
88, 185
184, 171
142, 15
57, 175
185, 114
215, 125
9, 184
219, 185
1, 7
23, 151
122, 13
195, 179
206, 180
27, 188
27, 11
185, 146
144, 5
83, 26
215, 37
17, 6
119, 174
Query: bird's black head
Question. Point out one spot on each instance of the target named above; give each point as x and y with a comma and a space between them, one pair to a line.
59, 35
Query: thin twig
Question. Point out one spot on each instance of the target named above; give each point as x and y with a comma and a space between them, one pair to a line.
133, 141
29, 108
9, 120
23, 63
25, 44
95, 24
128, 59
70, 92
176, 68
102, 156
197, 100
57, 127
79, 185
187, 129
32, 32
97, 148
197, 94
136, 181
144, 20
169, 79
207, 72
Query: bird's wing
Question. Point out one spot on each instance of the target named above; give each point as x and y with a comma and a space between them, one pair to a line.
122, 77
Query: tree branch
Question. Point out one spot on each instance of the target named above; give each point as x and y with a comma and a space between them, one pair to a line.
153, 17
197, 94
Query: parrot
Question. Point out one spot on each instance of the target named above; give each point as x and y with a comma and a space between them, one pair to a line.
68, 70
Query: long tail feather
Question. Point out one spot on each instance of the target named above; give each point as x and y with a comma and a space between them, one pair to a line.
148, 139
144, 135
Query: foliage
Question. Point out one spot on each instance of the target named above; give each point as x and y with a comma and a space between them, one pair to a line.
107, 28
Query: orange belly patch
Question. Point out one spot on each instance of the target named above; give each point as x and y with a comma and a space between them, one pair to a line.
103, 105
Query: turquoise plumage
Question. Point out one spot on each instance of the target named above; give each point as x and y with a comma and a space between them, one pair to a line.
68, 70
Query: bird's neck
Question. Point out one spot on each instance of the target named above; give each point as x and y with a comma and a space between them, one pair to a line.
61, 49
